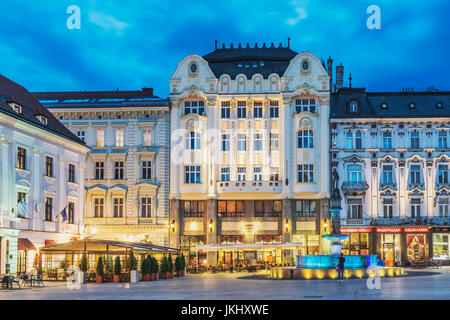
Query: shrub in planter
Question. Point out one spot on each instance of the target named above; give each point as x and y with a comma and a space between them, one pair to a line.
146, 269
83, 268
170, 265
134, 273
164, 267
183, 264
117, 269
178, 267
100, 270
155, 268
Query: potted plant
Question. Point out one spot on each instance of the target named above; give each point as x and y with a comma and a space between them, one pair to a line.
117, 269
182, 264
100, 270
83, 269
155, 268
170, 265
164, 267
134, 273
146, 269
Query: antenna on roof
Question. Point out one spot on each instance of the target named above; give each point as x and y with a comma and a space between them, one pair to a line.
215, 44
289, 42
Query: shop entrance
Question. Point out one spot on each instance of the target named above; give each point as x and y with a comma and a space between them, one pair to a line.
390, 248
417, 247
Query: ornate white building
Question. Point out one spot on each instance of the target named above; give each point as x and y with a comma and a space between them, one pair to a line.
42, 171
127, 172
391, 152
249, 154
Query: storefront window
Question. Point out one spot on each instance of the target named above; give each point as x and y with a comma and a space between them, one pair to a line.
390, 248
230, 208
417, 246
440, 246
187, 245
357, 244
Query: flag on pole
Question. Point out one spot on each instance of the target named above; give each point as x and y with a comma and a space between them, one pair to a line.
63, 213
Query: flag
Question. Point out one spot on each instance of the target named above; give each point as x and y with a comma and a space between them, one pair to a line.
22, 208
63, 213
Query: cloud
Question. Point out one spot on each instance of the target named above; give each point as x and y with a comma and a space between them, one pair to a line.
300, 9
107, 22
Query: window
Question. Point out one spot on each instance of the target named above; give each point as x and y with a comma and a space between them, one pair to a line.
17, 108
442, 140
146, 207
302, 105
225, 142
241, 173
230, 208
353, 140
225, 174
443, 207
415, 140
387, 175
354, 209
257, 174
415, 207
49, 166
21, 158
48, 209
354, 174
119, 138
257, 110
147, 137
42, 119
118, 170
387, 140
305, 173
226, 110
388, 207
99, 170
98, 207
267, 208
274, 111
305, 208
242, 142
118, 207
305, 139
258, 142
71, 212
274, 141
81, 134
442, 174
197, 107
193, 140
100, 137
146, 170
415, 174
194, 209
274, 175
192, 174
242, 109
71, 173
21, 204
353, 106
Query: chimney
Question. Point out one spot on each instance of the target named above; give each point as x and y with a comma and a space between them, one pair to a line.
330, 71
339, 76
148, 91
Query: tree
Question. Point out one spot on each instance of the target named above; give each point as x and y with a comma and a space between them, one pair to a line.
155, 265
182, 261
178, 264
109, 265
146, 266
117, 266
84, 263
170, 263
100, 266
133, 261
164, 264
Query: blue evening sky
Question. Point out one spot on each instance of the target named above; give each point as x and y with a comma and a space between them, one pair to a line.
132, 44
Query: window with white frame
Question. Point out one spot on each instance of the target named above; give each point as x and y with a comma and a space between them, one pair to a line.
302, 105
100, 137
241, 142
225, 142
71, 213
415, 140
274, 174
146, 169
48, 209
274, 111
353, 106
414, 174
387, 174
119, 137
443, 207
257, 174
146, 207
388, 207
197, 107
257, 110
241, 171
242, 109
442, 174
118, 170
48, 166
258, 142
415, 207
99, 170
387, 140
98, 207
226, 110
354, 173
305, 139
225, 174
274, 141
193, 140
81, 134
118, 207
305, 173
191, 174
442, 140
354, 208
147, 137
353, 140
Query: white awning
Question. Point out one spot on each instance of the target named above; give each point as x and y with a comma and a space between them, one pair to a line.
248, 246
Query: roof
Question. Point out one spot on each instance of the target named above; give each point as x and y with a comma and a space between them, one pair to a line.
11, 92
390, 104
69, 99
250, 61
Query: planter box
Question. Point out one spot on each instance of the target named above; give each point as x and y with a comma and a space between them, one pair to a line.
154, 277
99, 279
116, 278
147, 277
134, 276
164, 275
82, 277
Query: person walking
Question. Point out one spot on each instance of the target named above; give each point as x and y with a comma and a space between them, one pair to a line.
341, 268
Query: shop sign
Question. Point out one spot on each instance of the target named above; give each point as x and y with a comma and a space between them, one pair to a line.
352, 230
389, 230
416, 229
440, 229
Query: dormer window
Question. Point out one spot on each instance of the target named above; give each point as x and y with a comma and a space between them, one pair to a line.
42, 119
353, 106
17, 108
384, 105
412, 105
439, 105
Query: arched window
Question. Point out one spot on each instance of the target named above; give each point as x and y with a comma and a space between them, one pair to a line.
354, 173
353, 106
193, 140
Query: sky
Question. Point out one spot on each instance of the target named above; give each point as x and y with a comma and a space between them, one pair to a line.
128, 45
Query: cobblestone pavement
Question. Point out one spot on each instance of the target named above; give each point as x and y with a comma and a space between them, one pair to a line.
423, 284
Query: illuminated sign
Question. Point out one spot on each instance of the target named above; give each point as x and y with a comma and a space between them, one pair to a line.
351, 230
390, 230
416, 229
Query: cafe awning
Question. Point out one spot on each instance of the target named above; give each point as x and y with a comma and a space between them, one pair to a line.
25, 244
248, 246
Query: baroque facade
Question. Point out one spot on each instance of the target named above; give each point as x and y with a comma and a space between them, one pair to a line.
249, 155
127, 171
42, 172
391, 154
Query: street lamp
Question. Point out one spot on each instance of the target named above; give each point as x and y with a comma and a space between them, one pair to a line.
286, 225
172, 225
210, 225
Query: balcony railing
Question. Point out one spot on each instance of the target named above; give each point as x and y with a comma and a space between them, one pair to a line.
249, 186
439, 221
356, 222
355, 186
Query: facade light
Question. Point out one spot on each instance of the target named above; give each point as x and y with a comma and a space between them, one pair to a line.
210, 225
286, 225
172, 225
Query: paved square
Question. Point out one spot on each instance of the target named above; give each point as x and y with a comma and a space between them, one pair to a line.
423, 284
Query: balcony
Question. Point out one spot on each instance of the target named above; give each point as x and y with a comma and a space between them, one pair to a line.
356, 222
249, 186
355, 186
